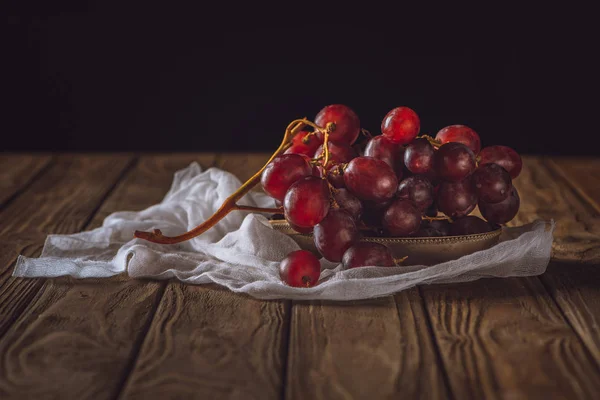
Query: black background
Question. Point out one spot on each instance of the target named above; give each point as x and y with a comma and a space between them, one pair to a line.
90, 79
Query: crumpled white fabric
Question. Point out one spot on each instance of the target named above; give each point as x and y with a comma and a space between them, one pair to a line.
243, 252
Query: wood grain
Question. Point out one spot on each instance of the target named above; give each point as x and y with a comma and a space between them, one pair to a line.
17, 171
78, 337
362, 349
582, 174
66, 198
207, 342
16, 293
575, 286
543, 196
507, 338
45, 206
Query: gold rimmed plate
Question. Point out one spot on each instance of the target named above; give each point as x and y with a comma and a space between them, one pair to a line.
420, 250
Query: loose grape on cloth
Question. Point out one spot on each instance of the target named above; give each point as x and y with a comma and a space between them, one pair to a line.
242, 252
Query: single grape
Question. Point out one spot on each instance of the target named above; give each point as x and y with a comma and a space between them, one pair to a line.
347, 201
401, 125
381, 148
501, 213
469, 225
339, 153
419, 156
492, 182
305, 143
335, 176
347, 123
504, 156
461, 134
282, 172
370, 179
454, 162
335, 234
457, 199
306, 202
365, 254
402, 218
435, 228
418, 190
300, 268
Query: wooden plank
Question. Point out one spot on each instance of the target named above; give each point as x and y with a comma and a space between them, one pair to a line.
208, 342
16, 293
66, 198
582, 174
62, 202
78, 337
507, 338
543, 195
19, 170
576, 287
377, 348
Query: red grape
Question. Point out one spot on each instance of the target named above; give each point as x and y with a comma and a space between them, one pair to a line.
300, 268
381, 148
504, 156
457, 199
501, 213
417, 189
347, 201
469, 225
402, 218
401, 125
339, 153
335, 234
462, 134
347, 123
306, 202
335, 176
370, 179
492, 182
365, 254
454, 161
282, 172
305, 143
419, 156
434, 228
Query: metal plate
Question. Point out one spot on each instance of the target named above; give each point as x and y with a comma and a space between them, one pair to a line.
420, 250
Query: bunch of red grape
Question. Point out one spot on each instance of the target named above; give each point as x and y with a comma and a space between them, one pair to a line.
393, 184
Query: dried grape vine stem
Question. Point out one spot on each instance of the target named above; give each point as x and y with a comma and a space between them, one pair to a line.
230, 204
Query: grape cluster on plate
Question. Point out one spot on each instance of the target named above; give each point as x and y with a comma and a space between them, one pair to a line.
396, 184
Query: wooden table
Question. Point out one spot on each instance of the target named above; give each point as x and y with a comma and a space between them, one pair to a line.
526, 338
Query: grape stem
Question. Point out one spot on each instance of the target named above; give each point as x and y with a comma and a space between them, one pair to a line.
230, 204
434, 142
275, 210
400, 260
426, 218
